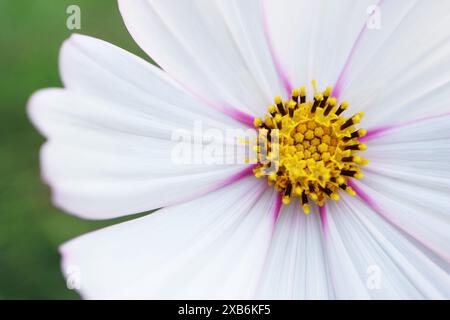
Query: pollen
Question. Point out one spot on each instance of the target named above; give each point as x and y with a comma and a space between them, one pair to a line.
307, 149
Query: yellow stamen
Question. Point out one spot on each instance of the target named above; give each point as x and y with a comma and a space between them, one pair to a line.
257, 122
314, 153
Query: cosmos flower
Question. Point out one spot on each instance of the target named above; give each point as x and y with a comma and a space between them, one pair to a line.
357, 205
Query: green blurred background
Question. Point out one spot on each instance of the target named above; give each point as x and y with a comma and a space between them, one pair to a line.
31, 229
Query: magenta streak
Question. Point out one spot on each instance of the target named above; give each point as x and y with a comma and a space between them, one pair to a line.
222, 184
375, 207
323, 218
230, 111
226, 109
237, 176
376, 132
364, 196
337, 88
278, 204
277, 210
407, 123
238, 115
278, 67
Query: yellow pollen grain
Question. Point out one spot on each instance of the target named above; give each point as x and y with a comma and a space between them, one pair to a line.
309, 135
318, 132
299, 137
315, 142
302, 128
322, 147
311, 125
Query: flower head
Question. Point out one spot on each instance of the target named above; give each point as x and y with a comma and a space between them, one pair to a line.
308, 149
221, 232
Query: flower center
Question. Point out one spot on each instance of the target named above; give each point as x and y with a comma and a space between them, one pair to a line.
307, 149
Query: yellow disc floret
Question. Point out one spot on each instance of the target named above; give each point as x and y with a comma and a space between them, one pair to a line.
307, 149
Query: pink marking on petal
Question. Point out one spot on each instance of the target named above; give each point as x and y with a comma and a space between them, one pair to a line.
374, 133
323, 218
277, 210
423, 119
337, 88
221, 184
240, 116
379, 131
224, 108
238, 176
364, 196
278, 67
375, 207
228, 110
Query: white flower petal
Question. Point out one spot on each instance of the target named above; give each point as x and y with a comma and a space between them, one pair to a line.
216, 49
398, 71
409, 180
416, 152
420, 212
212, 247
296, 266
95, 68
110, 149
313, 39
369, 258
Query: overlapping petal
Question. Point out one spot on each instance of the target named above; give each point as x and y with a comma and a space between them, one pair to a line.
216, 49
110, 146
408, 180
314, 39
212, 247
370, 258
397, 72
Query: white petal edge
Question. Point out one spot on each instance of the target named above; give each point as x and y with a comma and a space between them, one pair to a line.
313, 39
216, 49
210, 248
408, 178
371, 259
109, 134
398, 71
